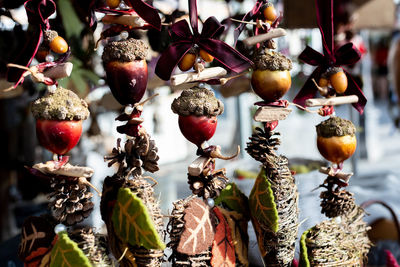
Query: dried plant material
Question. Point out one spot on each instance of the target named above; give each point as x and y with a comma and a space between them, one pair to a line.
337, 202
262, 144
223, 251
67, 253
333, 243
207, 186
124, 51
198, 233
53, 168
133, 223
266, 59
335, 126
197, 101
37, 238
234, 199
238, 225
62, 104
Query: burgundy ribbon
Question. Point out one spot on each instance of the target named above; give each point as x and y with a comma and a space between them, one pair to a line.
347, 54
144, 10
185, 37
38, 12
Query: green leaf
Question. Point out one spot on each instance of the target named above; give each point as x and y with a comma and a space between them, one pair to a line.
132, 221
67, 253
71, 22
234, 199
262, 203
304, 262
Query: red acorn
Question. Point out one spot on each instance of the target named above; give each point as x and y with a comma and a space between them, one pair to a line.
126, 70
59, 118
198, 110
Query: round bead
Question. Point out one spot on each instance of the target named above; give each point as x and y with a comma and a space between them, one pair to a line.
60, 228
49, 58
128, 110
210, 202
124, 35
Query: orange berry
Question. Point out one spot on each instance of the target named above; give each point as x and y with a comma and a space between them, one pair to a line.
323, 82
339, 82
113, 3
270, 13
206, 56
58, 45
187, 62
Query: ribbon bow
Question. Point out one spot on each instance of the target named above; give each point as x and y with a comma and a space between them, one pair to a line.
38, 12
185, 38
347, 54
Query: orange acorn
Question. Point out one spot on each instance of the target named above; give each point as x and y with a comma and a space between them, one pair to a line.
339, 81
269, 12
113, 3
187, 61
336, 139
323, 82
56, 43
206, 56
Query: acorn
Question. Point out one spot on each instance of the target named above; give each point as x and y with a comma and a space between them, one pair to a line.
198, 109
269, 12
188, 60
338, 79
336, 139
59, 117
113, 3
271, 77
56, 43
206, 56
126, 69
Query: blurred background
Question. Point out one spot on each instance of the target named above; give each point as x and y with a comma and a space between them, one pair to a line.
372, 26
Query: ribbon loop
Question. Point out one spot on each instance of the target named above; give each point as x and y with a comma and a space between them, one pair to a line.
312, 57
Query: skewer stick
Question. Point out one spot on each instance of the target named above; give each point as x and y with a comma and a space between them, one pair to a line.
332, 101
207, 73
129, 20
59, 71
274, 33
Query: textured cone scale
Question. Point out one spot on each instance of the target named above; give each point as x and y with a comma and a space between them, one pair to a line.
58, 136
271, 85
127, 80
197, 129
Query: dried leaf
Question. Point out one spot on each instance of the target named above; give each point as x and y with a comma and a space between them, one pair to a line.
133, 223
262, 203
223, 250
67, 253
198, 234
234, 199
304, 262
238, 225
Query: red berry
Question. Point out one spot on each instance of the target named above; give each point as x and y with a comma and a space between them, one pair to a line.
197, 129
58, 136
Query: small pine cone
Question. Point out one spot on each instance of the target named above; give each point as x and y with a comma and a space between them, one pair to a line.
70, 201
207, 186
150, 160
337, 203
262, 144
94, 246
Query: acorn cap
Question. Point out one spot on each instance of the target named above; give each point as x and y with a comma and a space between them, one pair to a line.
270, 60
333, 70
63, 104
125, 51
335, 126
197, 101
48, 36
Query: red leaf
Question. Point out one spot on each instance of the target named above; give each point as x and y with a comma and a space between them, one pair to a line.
390, 259
223, 250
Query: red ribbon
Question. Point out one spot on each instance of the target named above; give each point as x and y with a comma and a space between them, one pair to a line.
38, 12
347, 54
185, 37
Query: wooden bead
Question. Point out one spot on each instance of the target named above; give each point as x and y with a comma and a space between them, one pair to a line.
187, 62
206, 56
59, 45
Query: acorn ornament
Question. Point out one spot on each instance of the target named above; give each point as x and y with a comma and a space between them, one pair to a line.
335, 78
336, 139
198, 109
126, 69
56, 43
271, 77
188, 60
269, 12
59, 117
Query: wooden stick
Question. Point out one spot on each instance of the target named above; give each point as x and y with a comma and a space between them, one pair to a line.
265, 114
59, 71
332, 101
340, 175
274, 33
129, 20
197, 166
207, 73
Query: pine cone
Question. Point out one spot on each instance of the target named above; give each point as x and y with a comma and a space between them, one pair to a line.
139, 152
207, 186
262, 144
70, 201
93, 245
337, 203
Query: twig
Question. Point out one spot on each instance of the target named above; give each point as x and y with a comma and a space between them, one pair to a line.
274, 33
332, 101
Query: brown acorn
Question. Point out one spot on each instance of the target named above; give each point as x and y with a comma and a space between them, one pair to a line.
269, 12
271, 77
126, 69
188, 60
56, 43
336, 139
